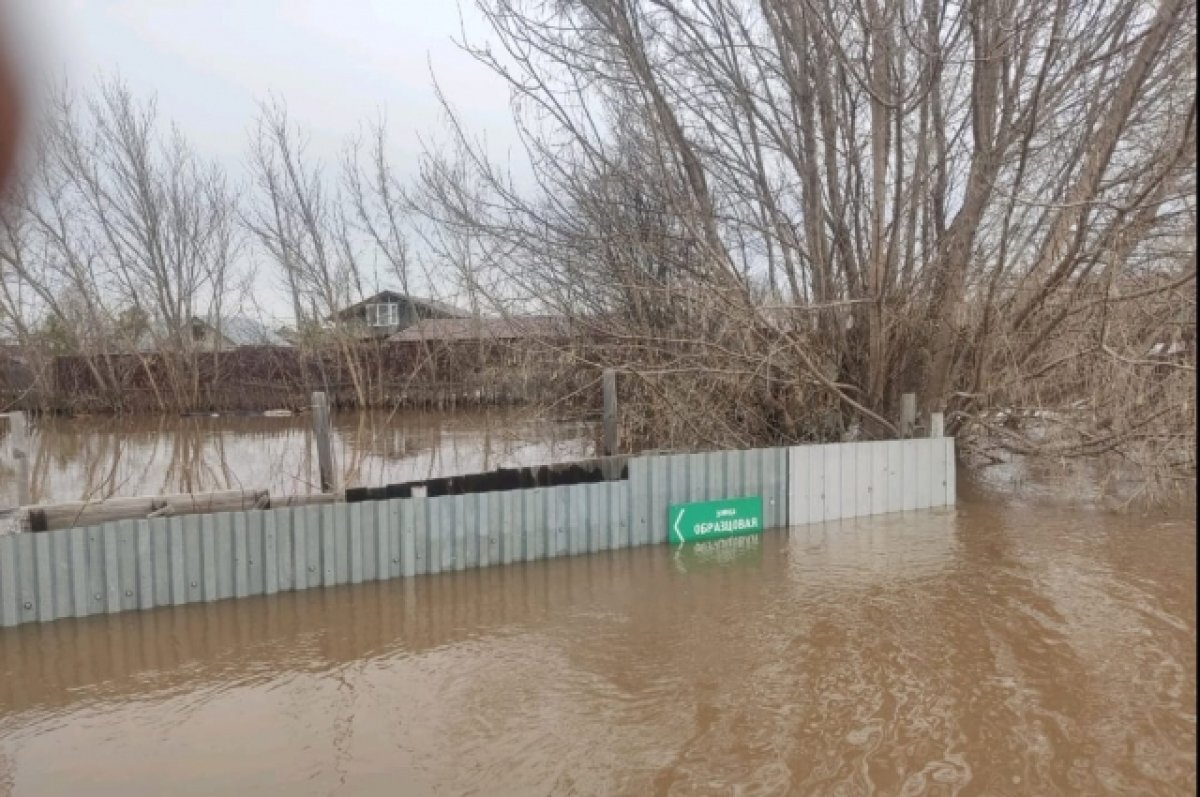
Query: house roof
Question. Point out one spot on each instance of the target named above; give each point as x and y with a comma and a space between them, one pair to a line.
510, 328
440, 308
235, 331
244, 331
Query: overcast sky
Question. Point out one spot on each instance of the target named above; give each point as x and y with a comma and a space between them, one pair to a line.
337, 64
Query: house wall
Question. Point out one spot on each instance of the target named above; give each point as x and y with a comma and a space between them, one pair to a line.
409, 315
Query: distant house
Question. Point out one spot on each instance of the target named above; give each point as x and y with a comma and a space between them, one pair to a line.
389, 312
235, 332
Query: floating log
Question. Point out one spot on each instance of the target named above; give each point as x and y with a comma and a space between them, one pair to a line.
48, 517
310, 499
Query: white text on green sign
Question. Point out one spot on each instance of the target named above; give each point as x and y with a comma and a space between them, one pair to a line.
707, 520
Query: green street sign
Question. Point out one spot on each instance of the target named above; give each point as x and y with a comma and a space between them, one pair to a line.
710, 520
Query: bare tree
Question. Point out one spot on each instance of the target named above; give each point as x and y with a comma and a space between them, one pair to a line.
826, 204
120, 221
303, 224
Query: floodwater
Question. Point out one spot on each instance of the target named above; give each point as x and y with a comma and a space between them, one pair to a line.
998, 648
102, 457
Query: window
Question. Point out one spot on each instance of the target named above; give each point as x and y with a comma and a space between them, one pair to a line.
384, 314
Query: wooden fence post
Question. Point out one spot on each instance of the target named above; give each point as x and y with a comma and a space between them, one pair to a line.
321, 430
610, 412
20, 449
908, 414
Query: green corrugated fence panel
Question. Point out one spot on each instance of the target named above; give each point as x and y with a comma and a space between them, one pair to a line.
843, 480
330, 546
879, 477
44, 578
60, 554
357, 529
171, 561
531, 523
472, 531
110, 567
659, 481
924, 484
8, 581
80, 600
223, 554
26, 579
144, 563
415, 522
313, 567
298, 550
208, 557
951, 473
256, 569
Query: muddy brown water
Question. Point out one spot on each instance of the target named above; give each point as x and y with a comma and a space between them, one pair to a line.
102, 457
993, 649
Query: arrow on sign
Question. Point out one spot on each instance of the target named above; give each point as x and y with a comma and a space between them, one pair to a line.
679, 531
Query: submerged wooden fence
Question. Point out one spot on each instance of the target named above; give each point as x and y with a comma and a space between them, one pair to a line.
143, 564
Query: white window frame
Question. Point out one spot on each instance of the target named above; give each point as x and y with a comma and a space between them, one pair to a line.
383, 314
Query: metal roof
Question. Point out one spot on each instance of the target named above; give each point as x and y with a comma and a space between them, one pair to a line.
244, 331
508, 328
235, 332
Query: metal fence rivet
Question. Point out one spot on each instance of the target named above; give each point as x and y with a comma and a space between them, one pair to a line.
128, 593
28, 604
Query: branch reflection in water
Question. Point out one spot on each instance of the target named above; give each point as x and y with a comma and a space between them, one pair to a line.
94, 458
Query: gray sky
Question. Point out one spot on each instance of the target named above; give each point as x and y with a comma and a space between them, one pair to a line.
337, 64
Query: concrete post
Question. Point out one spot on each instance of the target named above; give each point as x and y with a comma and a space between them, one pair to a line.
20, 448
321, 431
908, 415
610, 413
937, 425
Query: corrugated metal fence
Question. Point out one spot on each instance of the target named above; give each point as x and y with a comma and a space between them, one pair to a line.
845, 480
141, 564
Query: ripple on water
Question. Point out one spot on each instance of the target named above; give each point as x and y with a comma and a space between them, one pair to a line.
975, 652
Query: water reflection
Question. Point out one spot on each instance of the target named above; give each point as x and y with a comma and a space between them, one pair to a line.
695, 557
990, 650
145, 455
